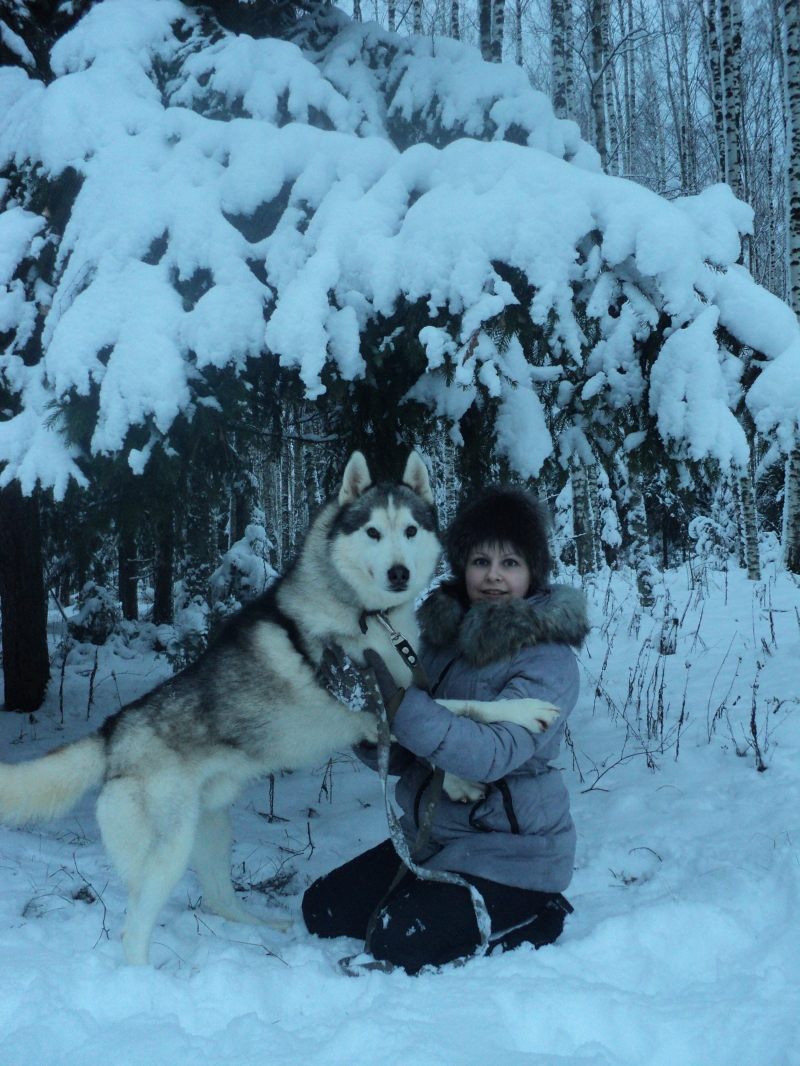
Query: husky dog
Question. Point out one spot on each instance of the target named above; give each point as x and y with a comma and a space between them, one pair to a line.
169, 764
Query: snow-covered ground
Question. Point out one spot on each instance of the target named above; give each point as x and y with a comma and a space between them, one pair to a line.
683, 949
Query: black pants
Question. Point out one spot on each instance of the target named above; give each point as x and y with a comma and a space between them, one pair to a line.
425, 922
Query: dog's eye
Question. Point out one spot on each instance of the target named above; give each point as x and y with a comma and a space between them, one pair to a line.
373, 532
411, 531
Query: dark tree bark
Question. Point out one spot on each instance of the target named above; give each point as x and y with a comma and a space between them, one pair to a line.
485, 27
163, 608
26, 665
582, 520
128, 575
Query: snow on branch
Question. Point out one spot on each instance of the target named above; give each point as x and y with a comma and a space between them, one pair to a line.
242, 197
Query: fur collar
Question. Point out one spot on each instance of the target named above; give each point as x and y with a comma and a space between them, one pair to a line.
488, 633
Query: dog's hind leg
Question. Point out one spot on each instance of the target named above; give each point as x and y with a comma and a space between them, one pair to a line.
149, 832
211, 861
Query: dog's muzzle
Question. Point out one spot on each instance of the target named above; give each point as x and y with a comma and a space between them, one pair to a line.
398, 578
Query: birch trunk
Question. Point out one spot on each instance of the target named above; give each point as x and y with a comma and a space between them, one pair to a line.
646, 577
731, 19
418, 16
498, 29
597, 517
569, 36
630, 95
485, 28
597, 92
357, 10
791, 513
558, 57
582, 520
791, 83
715, 81
518, 33
749, 526
609, 88
791, 10
392, 15
455, 25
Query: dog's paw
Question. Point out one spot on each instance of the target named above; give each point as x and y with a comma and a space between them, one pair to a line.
461, 791
282, 925
535, 715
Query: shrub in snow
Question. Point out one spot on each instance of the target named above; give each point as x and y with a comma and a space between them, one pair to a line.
244, 572
96, 615
713, 542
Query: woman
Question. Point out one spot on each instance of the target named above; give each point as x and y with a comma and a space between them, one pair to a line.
499, 630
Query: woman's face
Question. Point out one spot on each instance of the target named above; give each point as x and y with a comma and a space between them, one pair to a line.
496, 573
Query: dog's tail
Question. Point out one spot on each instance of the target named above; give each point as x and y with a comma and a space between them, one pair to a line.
48, 787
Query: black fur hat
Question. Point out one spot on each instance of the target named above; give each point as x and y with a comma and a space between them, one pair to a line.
501, 514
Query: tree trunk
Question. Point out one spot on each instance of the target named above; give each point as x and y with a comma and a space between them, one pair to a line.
792, 64
715, 79
646, 576
629, 68
749, 526
731, 19
558, 56
597, 93
597, 516
498, 29
582, 520
791, 513
485, 28
392, 15
163, 609
569, 57
518, 32
609, 87
26, 665
418, 16
455, 25
128, 574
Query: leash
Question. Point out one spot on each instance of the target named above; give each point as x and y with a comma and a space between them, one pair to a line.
409, 856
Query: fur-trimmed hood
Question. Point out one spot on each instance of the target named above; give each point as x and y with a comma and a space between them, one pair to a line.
488, 633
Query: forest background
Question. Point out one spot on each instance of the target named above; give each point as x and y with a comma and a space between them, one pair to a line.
651, 397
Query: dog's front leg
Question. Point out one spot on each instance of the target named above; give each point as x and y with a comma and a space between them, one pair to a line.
535, 715
461, 791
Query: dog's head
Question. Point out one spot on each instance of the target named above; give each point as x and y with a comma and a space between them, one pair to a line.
384, 537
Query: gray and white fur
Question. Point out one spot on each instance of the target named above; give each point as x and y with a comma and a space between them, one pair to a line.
169, 764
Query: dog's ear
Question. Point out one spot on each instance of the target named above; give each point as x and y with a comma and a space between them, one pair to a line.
416, 477
356, 479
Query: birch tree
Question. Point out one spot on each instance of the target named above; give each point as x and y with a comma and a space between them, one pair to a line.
498, 29
598, 11
791, 14
731, 21
485, 28
558, 56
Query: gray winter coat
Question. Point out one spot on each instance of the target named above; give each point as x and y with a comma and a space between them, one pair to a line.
521, 833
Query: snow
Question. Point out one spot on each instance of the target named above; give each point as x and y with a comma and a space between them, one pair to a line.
683, 948
309, 183
686, 384
15, 43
